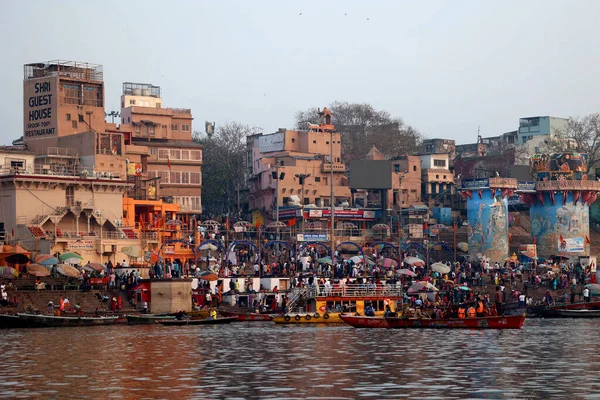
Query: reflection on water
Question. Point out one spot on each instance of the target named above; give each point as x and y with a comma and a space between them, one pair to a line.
546, 359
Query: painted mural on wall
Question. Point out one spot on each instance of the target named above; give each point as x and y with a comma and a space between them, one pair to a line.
557, 228
488, 225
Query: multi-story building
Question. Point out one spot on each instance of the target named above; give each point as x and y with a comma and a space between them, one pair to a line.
293, 168
437, 179
440, 146
163, 159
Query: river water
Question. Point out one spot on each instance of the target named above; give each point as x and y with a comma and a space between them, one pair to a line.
546, 359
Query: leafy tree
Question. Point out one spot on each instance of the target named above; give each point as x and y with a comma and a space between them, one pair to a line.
223, 168
362, 126
582, 134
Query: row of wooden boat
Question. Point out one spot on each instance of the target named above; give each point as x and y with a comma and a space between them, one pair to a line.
496, 322
24, 320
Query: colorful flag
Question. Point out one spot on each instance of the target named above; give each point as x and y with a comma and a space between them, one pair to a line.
587, 239
425, 226
329, 224
227, 223
292, 222
257, 224
534, 240
454, 226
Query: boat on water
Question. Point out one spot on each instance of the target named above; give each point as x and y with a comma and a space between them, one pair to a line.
44, 321
10, 321
361, 321
495, 322
555, 311
324, 305
206, 321
248, 316
145, 319
576, 313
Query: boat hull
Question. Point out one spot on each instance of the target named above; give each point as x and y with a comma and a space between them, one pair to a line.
576, 313
501, 322
248, 316
206, 321
145, 319
555, 311
359, 321
10, 321
327, 318
47, 321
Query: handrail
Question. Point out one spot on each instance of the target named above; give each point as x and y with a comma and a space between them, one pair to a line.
354, 290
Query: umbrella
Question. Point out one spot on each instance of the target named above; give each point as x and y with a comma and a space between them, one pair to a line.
68, 270
414, 261
417, 287
66, 256
463, 246
46, 259
356, 259
325, 260
439, 227
209, 276
132, 251
94, 267
37, 270
208, 246
406, 272
72, 260
155, 257
8, 273
18, 258
440, 267
387, 262
464, 288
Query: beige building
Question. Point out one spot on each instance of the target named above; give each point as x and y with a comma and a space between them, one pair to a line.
437, 180
164, 161
301, 161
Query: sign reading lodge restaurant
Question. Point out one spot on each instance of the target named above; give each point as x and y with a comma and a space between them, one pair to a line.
81, 245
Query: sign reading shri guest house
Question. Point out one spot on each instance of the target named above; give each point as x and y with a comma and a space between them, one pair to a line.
41, 107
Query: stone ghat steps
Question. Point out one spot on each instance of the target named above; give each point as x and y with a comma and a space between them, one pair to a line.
38, 300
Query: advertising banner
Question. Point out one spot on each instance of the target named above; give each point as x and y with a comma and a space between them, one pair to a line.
312, 237
475, 184
526, 186
82, 245
352, 213
571, 245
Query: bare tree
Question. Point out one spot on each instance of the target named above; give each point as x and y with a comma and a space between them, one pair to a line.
223, 169
582, 134
362, 126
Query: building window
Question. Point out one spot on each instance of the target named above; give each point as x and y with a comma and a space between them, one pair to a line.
68, 117
196, 155
137, 130
185, 154
164, 176
444, 176
158, 105
80, 118
175, 177
74, 124
174, 127
185, 178
185, 127
414, 168
437, 177
153, 151
317, 179
163, 154
396, 167
195, 178
439, 163
131, 102
175, 155
314, 142
151, 130
293, 140
327, 142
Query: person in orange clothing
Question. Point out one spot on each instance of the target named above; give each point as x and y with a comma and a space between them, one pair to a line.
471, 312
461, 311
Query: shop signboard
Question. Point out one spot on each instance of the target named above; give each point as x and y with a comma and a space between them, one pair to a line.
475, 184
352, 213
312, 237
82, 245
571, 245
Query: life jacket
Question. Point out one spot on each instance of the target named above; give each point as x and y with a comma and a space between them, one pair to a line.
480, 307
461, 312
471, 312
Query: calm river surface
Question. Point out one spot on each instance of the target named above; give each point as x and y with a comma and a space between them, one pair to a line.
546, 359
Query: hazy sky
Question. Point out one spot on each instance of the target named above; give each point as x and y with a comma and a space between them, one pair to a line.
445, 67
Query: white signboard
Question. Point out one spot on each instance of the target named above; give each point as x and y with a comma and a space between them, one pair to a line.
269, 143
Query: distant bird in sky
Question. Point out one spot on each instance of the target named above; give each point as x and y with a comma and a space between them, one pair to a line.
300, 14
346, 14
368, 19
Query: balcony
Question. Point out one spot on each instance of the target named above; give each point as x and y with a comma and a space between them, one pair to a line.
337, 167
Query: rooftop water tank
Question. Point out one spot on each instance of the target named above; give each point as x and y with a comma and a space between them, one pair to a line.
145, 92
136, 92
